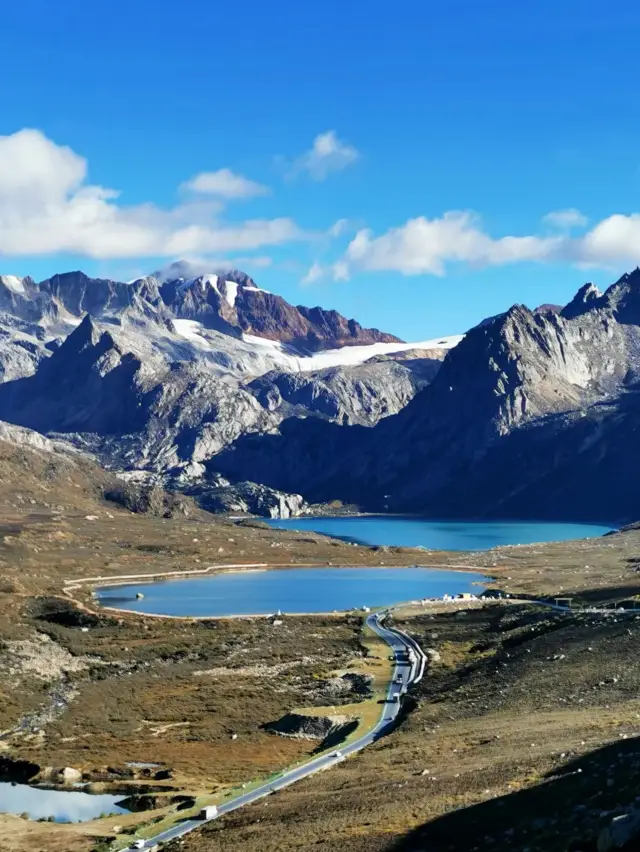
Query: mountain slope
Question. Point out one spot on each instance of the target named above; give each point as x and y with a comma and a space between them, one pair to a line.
161, 376
525, 417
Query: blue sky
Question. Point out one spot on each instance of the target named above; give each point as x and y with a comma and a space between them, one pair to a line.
418, 165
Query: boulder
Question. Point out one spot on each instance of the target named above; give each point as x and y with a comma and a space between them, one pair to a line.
68, 775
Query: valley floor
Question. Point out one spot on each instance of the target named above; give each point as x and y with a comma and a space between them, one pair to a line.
513, 694
524, 736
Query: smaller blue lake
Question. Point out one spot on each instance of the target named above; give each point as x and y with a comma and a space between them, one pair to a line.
441, 535
59, 805
292, 590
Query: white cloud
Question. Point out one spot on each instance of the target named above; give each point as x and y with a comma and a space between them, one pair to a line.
47, 206
340, 270
340, 227
192, 267
225, 184
425, 246
565, 219
327, 154
260, 262
612, 241
32, 167
314, 274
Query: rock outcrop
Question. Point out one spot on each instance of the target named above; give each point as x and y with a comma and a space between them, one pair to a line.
303, 727
362, 394
249, 498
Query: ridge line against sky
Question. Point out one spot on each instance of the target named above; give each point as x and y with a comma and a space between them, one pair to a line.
367, 166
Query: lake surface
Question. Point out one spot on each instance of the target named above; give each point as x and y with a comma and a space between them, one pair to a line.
441, 535
62, 805
291, 590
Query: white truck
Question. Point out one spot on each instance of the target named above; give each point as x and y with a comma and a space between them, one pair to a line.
142, 844
209, 812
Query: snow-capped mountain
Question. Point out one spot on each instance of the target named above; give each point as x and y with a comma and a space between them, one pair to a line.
162, 373
234, 304
225, 320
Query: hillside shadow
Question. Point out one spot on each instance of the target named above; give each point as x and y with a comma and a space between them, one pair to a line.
610, 594
565, 811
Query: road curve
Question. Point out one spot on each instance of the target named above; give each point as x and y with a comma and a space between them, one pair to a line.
404, 675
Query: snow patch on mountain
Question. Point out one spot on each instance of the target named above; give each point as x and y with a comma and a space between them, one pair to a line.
269, 354
12, 282
231, 292
274, 353
190, 330
346, 355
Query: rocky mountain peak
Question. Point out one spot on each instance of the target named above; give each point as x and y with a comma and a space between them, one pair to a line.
548, 307
587, 297
86, 336
623, 298
231, 302
227, 301
20, 298
78, 294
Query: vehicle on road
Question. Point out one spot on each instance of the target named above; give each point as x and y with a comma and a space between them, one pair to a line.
399, 678
137, 844
395, 697
209, 812
337, 754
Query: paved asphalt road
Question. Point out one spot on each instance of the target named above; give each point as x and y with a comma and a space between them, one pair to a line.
407, 673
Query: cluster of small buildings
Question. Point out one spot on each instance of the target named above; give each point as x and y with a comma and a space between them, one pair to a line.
462, 596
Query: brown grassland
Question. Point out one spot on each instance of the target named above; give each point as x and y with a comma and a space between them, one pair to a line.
516, 701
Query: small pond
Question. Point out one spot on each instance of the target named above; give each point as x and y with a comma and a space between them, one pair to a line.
292, 590
59, 805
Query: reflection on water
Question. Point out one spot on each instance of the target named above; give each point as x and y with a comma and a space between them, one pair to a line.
60, 805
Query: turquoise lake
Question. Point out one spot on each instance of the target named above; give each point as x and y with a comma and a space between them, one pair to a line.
299, 590
441, 535
291, 590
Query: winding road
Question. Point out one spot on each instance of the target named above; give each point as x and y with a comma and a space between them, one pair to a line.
405, 673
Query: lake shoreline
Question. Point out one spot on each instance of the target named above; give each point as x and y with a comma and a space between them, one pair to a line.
355, 589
